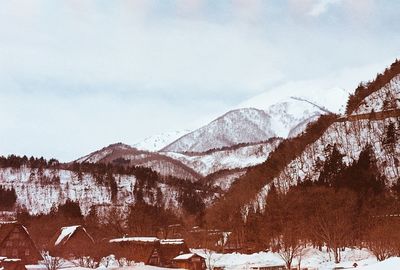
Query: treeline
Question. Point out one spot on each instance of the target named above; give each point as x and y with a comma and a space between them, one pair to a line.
365, 89
16, 162
348, 206
8, 198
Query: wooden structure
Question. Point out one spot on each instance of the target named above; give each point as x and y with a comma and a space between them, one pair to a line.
169, 249
190, 261
72, 242
15, 242
11, 264
149, 250
137, 249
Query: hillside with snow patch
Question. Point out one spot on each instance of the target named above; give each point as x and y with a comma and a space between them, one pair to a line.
248, 125
233, 158
350, 135
121, 154
38, 195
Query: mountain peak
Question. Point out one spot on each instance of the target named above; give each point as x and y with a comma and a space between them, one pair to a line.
243, 125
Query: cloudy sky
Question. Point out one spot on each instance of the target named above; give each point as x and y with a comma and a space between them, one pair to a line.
77, 75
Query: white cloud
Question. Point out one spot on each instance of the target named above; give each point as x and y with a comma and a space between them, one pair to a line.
321, 6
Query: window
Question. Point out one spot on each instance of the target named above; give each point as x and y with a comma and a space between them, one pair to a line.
8, 243
15, 252
27, 252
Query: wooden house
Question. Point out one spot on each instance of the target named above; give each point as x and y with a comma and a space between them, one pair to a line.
16, 243
149, 250
12, 264
137, 249
72, 242
170, 248
190, 261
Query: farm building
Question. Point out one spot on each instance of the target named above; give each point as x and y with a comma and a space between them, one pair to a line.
72, 242
190, 261
11, 264
170, 248
16, 243
149, 250
137, 249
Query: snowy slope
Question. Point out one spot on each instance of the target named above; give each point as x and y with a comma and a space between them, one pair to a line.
247, 126
157, 142
333, 99
38, 196
350, 137
388, 97
162, 164
234, 127
290, 117
238, 157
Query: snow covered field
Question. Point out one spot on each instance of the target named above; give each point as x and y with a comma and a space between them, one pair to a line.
313, 259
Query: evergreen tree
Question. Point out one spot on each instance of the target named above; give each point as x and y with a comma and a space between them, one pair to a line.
363, 175
8, 197
332, 168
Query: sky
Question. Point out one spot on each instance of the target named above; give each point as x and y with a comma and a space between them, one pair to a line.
77, 75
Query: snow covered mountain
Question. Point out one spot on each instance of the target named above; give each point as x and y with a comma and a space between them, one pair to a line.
285, 116
331, 99
157, 142
191, 166
238, 126
122, 154
237, 140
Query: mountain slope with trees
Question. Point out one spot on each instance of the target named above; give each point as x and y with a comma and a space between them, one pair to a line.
301, 159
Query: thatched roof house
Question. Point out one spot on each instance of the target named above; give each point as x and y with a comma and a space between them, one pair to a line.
137, 249
71, 242
149, 250
16, 243
190, 261
170, 248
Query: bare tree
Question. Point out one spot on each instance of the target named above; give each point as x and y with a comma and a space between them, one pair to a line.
332, 218
51, 263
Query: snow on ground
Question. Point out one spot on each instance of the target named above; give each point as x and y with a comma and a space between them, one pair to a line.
389, 264
312, 259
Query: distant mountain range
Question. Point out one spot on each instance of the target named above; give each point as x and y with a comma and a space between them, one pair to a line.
268, 141
237, 140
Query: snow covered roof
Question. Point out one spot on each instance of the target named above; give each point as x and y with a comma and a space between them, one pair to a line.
172, 241
135, 239
8, 222
12, 260
184, 256
66, 233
